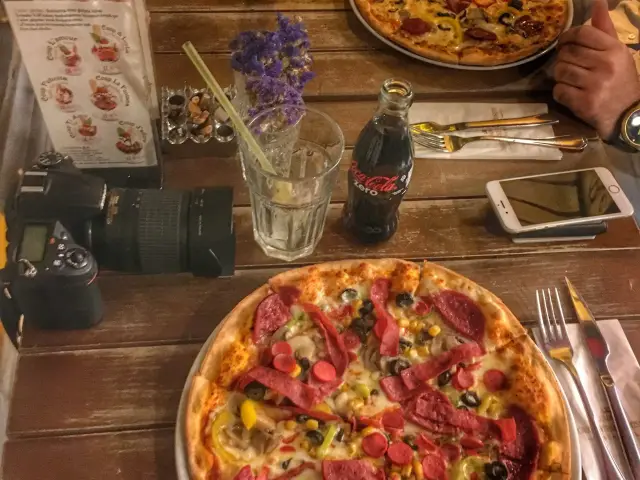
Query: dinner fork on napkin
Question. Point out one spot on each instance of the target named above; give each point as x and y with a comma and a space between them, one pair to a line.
625, 371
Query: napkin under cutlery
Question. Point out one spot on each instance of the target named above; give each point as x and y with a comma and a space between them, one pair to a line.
625, 372
446, 113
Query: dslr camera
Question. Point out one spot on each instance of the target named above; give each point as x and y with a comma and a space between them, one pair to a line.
63, 223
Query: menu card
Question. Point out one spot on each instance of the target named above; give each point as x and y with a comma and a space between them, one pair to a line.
87, 65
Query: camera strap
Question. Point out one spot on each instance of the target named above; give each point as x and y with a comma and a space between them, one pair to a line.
9, 313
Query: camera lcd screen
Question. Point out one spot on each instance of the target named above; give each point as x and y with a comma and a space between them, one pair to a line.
34, 242
553, 198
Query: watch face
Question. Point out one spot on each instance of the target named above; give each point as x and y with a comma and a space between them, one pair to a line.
631, 128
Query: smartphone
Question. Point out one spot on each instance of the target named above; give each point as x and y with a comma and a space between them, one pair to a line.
526, 204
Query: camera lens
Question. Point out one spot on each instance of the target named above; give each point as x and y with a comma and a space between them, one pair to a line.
143, 231
162, 231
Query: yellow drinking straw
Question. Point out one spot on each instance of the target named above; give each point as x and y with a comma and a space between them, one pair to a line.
217, 90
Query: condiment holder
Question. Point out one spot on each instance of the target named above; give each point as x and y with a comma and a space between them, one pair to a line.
194, 114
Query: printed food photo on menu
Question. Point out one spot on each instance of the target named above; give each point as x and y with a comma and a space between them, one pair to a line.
63, 96
105, 98
86, 128
67, 54
106, 50
127, 141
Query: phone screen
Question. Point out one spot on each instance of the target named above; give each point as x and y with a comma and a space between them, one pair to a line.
554, 198
34, 241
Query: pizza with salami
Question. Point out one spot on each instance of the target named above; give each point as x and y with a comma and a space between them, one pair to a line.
374, 370
470, 32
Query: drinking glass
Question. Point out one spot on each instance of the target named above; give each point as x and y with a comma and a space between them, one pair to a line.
290, 194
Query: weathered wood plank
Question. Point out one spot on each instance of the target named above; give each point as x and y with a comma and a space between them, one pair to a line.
244, 5
139, 455
99, 389
144, 310
212, 32
361, 73
431, 179
434, 229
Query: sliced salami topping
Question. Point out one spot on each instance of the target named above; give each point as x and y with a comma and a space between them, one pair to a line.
299, 393
425, 444
350, 470
294, 472
430, 425
281, 347
323, 371
284, 363
245, 473
400, 453
434, 468
335, 344
508, 429
375, 444
515, 470
271, 314
418, 374
461, 313
395, 389
470, 442
462, 379
456, 6
341, 312
289, 294
451, 451
423, 306
386, 327
393, 420
494, 380
525, 448
416, 26
317, 414
351, 339
477, 33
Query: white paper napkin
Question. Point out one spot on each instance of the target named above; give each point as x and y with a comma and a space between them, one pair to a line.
626, 374
446, 113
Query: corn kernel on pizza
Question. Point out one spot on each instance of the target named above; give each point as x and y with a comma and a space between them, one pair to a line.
373, 370
471, 32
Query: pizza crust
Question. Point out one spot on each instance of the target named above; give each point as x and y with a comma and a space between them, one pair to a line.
501, 327
330, 279
535, 389
199, 403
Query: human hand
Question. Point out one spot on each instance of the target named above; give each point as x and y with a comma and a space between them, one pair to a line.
595, 73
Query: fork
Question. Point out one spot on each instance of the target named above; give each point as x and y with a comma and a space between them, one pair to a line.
453, 143
556, 343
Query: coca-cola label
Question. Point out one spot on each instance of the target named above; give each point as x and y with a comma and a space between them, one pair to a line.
378, 184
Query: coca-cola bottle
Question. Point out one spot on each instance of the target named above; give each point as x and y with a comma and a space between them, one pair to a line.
381, 167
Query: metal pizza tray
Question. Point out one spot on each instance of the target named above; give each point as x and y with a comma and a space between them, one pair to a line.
411, 54
182, 464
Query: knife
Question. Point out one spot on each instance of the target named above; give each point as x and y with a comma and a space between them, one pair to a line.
599, 350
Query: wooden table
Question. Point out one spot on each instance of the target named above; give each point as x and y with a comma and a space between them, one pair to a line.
101, 403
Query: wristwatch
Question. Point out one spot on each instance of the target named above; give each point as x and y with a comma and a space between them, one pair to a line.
629, 128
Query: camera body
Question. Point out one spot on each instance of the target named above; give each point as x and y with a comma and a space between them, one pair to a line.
51, 278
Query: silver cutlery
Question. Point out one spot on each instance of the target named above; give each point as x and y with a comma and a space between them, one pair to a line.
453, 143
599, 350
556, 343
530, 121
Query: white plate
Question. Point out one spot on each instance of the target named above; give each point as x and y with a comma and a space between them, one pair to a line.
455, 65
182, 464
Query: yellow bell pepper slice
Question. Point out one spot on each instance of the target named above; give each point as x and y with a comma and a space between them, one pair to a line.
453, 24
222, 420
248, 413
